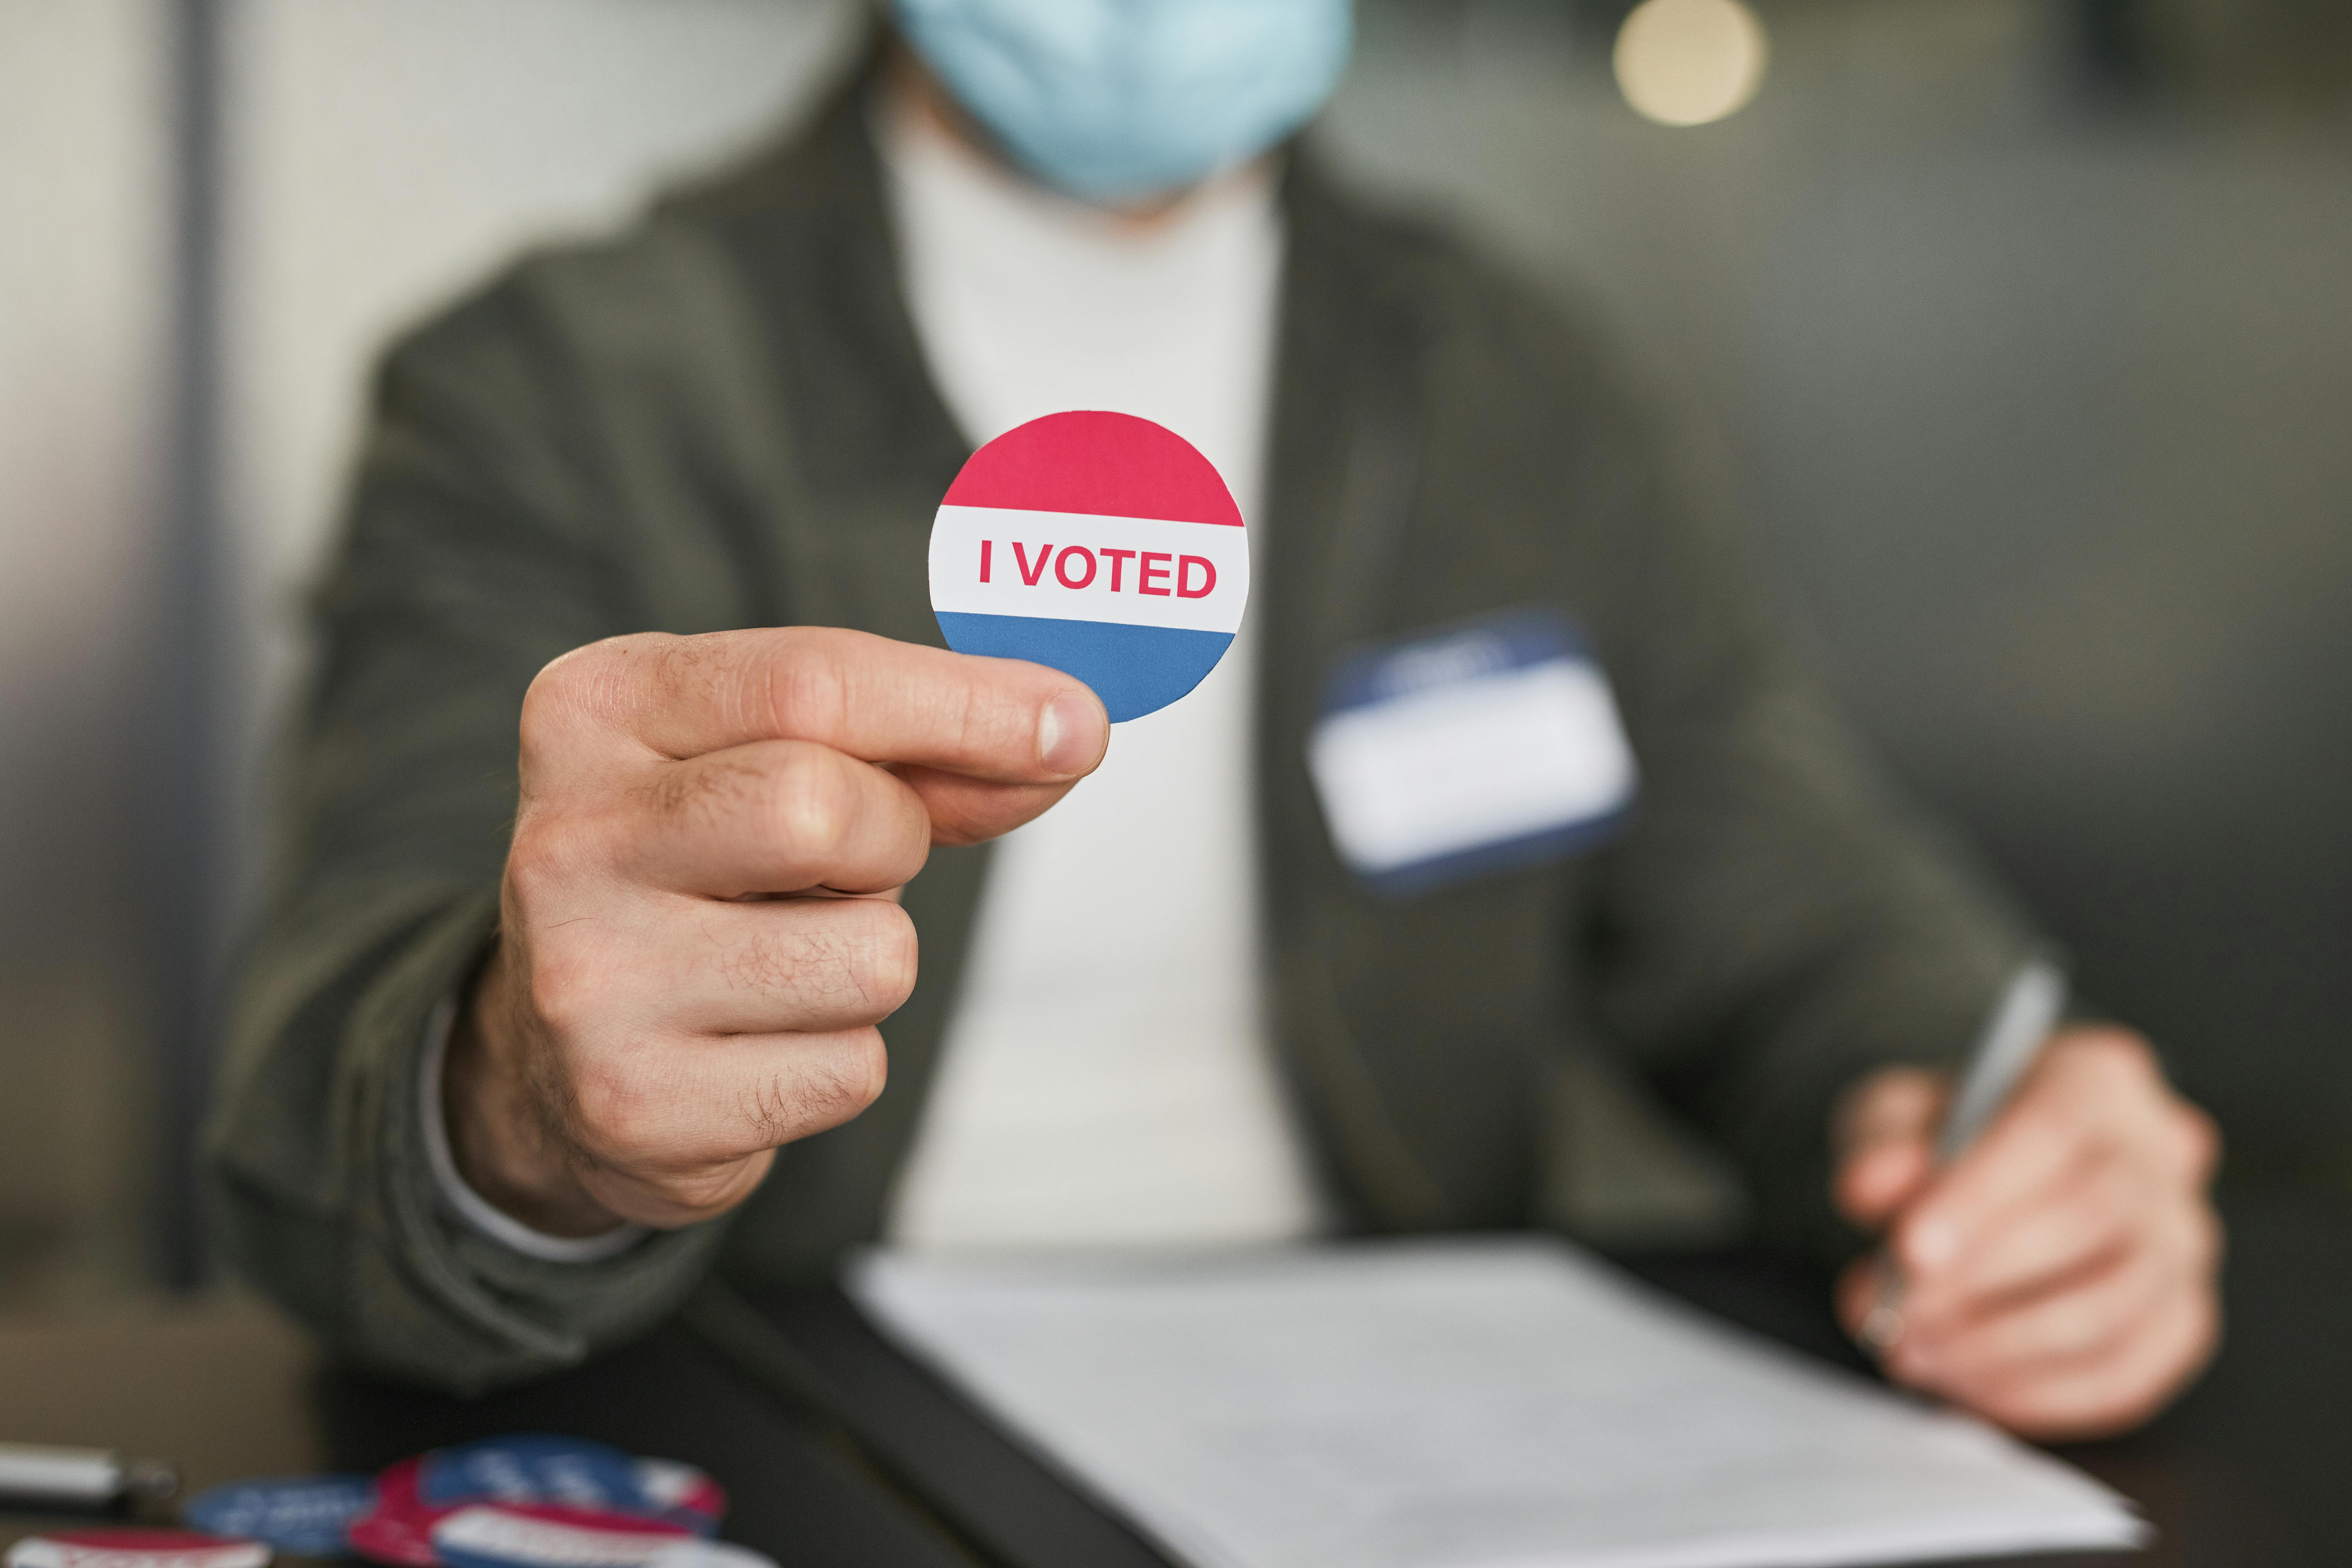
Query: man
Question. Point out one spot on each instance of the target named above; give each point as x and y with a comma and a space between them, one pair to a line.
521, 1057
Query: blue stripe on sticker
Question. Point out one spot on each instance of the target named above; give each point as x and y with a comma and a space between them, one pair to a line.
1134, 670
529, 1467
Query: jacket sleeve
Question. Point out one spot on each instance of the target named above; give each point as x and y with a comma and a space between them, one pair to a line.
1778, 921
471, 556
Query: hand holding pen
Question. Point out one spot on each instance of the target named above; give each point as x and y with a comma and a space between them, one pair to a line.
2050, 1256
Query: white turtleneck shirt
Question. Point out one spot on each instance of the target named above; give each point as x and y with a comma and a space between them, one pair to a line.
1104, 1079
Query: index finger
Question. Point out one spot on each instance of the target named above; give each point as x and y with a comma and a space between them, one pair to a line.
2030, 1148
1001, 719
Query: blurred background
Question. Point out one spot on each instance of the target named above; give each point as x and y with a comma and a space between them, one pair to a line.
2021, 329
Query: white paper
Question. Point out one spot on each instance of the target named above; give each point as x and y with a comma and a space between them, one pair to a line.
1462, 1404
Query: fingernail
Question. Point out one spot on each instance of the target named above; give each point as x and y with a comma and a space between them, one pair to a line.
1070, 733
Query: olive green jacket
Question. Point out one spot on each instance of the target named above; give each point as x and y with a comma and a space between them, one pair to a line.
723, 419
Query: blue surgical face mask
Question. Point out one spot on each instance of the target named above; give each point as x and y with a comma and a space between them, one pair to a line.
1114, 99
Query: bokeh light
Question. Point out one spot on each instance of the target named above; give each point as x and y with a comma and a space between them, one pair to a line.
1686, 62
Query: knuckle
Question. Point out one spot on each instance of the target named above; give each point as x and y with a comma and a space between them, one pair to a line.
2115, 1058
884, 962
843, 1080
574, 690
806, 689
1891, 1105
539, 858
814, 804
614, 1113
834, 1082
551, 705
708, 1191
2040, 1108
2034, 1411
2196, 1143
2076, 1327
562, 992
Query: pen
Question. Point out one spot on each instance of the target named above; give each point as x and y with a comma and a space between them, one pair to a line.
78, 1477
2028, 1010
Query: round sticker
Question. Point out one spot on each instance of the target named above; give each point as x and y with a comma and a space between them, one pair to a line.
559, 1478
397, 1527
544, 1535
302, 1515
135, 1548
1099, 543
541, 1467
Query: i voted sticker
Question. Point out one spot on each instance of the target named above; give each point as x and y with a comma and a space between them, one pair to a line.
135, 1548
306, 1515
537, 1467
1469, 752
412, 1497
397, 1528
1099, 543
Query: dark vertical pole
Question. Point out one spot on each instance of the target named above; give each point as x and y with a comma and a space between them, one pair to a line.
182, 842
2111, 46
1596, 21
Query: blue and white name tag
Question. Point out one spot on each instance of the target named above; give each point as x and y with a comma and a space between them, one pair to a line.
1477, 750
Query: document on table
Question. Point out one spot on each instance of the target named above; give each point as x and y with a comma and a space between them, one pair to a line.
1466, 1403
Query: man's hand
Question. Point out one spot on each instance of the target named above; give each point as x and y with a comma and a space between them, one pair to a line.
700, 927
2060, 1277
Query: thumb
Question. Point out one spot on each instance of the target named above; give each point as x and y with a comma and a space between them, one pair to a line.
1886, 1142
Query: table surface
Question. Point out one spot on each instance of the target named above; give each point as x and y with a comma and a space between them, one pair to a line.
2244, 1470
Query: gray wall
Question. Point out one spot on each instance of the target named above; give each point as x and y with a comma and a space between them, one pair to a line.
385, 154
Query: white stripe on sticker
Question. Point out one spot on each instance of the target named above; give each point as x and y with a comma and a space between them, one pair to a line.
489, 1532
1068, 565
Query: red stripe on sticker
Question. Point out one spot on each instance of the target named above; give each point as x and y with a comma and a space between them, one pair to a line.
130, 1548
1111, 465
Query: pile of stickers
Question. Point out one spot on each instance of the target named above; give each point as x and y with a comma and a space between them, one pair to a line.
530, 1502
